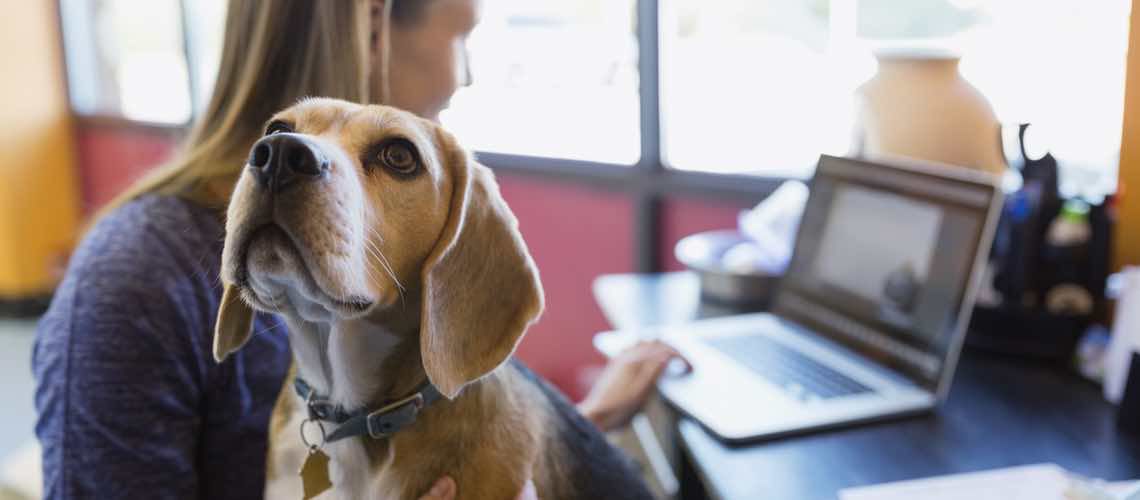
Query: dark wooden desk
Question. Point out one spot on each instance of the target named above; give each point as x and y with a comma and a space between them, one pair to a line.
1001, 412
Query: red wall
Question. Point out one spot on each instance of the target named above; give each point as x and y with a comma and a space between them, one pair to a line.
575, 233
111, 158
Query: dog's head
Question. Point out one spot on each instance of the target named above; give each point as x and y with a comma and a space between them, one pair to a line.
343, 208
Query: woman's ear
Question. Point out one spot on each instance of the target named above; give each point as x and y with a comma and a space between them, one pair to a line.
481, 289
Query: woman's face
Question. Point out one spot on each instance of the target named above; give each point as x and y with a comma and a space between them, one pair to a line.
429, 57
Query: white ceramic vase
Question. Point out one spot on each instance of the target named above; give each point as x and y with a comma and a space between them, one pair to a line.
918, 105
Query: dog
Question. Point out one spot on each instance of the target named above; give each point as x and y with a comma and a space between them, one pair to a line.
406, 286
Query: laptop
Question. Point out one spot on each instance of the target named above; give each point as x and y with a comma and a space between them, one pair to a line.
869, 318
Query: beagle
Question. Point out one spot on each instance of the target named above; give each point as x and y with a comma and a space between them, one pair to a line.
406, 286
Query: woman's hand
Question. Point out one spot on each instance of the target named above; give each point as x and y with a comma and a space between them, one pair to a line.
444, 489
626, 383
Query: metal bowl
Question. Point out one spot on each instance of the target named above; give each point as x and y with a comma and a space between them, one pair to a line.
703, 253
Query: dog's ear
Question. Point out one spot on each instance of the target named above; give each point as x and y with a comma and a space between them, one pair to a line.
234, 325
480, 286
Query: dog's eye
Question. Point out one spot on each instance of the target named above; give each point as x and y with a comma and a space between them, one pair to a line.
399, 155
278, 126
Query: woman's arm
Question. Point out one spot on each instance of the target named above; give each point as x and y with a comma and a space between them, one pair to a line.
118, 384
625, 384
118, 405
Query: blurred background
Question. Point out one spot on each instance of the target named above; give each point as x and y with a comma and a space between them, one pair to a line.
616, 127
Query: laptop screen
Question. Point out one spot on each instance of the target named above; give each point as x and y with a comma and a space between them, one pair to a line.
884, 259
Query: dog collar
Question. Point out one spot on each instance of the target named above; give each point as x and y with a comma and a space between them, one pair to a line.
381, 423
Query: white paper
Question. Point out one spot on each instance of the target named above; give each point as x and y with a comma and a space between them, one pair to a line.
1029, 482
1125, 335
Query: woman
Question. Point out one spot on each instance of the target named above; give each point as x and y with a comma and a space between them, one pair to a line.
130, 402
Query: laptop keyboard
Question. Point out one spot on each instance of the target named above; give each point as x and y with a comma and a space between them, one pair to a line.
801, 376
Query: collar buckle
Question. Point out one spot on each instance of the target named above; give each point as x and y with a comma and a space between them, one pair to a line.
382, 423
393, 417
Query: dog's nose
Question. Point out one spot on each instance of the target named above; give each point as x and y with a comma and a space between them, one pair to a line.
282, 158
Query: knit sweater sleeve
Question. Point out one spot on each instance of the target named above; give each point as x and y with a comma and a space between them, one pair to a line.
119, 381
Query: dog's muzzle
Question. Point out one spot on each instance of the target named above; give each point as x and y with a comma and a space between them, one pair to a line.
279, 160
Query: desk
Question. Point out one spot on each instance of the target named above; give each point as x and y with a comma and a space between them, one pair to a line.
1001, 412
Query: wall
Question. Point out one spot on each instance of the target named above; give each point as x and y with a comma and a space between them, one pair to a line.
575, 233
38, 196
1128, 208
112, 157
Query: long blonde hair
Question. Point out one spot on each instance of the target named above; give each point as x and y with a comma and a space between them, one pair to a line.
274, 53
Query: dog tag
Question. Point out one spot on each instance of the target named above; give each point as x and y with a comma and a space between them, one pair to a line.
315, 474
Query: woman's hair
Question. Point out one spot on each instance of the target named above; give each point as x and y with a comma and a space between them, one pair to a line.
273, 54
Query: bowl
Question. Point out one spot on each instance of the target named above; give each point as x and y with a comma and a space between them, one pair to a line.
704, 254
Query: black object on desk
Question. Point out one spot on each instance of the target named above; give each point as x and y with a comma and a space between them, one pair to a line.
1044, 282
1001, 412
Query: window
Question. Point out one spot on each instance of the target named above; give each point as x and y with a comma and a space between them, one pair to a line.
126, 58
1060, 66
749, 87
763, 86
754, 86
552, 78
204, 45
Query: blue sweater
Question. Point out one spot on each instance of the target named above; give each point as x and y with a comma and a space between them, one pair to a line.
130, 401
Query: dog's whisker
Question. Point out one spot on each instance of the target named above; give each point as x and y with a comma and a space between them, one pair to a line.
369, 267
279, 324
371, 271
388, 269
273, 305
384, 261
374, 249
276, 309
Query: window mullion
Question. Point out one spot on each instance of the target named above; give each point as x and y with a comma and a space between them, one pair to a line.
190, 53
648, 63
646, 197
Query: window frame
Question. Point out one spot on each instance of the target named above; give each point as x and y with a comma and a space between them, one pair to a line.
646, 184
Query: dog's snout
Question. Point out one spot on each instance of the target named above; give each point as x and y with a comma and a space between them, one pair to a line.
280, 159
